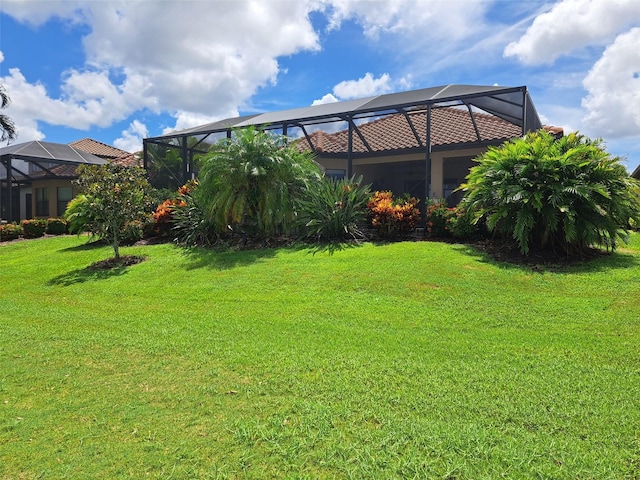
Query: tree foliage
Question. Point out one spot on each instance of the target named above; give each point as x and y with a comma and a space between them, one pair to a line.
249, 182
567, 193
7, 127
116, 198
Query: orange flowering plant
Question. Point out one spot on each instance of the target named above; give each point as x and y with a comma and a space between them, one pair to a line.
393, 217
164, 214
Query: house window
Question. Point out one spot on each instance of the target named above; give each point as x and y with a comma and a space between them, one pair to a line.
65, 194
335, 173
42, 202
448, 186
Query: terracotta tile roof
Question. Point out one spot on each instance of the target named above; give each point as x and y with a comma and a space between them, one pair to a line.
128, 160
99, 149
57, 171
557, 132
449, 126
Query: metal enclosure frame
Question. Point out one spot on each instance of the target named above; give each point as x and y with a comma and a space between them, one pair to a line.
511, 104
39, 154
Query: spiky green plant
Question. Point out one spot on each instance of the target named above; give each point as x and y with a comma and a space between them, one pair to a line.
333, 209
250, 181
566, 193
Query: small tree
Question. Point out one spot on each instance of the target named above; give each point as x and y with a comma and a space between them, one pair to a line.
567, 194
118, 196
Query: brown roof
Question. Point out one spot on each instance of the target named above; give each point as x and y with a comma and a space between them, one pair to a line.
99, 149
557, 132
127, 160
449, 126
56, 171
636, 173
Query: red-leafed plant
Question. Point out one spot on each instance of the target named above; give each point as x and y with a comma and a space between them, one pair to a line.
393, 217
164, 215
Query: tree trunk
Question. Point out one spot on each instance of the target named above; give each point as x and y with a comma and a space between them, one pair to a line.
116, 243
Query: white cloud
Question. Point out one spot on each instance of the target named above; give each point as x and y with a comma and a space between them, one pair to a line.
429, 19
363, 87
613, 102
36, 13
328, 98
131, 140
191, 58
89, 98
571, 25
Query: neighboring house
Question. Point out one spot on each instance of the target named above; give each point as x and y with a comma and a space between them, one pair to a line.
54, 189
636, 173
43, 175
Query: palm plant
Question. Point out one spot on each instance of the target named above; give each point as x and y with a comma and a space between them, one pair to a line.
566, 193
7, 127
249, 182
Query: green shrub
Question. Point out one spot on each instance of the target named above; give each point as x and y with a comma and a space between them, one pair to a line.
190, 225
56, 226
10, 231
34, 228
564, 194
79, 216
332, 209
460, 224
437, 216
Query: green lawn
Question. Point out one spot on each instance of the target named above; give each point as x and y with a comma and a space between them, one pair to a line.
407, 360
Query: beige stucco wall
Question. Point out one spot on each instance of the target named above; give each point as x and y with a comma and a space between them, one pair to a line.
366, 167
52, 185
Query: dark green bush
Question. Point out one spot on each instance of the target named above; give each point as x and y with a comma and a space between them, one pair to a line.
332, 209
10, 231
564, 194
437, 215
249, 182
34, 228
56, 226
79, 216
191, 226
460, 224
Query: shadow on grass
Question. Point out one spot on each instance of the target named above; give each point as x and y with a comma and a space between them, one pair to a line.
329, 247
88, 274
225, 259
199, 257
100, 270
598, 260
89, 245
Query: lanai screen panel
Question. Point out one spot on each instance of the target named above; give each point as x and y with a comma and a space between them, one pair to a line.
507, 102
511, 104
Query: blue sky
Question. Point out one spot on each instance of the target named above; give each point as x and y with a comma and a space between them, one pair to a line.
119, 71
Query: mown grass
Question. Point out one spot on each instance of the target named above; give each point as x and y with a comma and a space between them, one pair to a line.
406, 360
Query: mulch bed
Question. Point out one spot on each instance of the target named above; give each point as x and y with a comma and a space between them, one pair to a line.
113, 262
